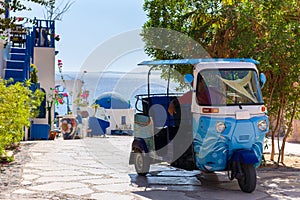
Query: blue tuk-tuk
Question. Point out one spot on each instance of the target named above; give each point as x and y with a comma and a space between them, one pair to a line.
219, 125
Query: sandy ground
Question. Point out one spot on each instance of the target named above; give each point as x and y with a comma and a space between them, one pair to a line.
290, 162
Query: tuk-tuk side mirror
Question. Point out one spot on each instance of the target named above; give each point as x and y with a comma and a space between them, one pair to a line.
188, 78
263, 80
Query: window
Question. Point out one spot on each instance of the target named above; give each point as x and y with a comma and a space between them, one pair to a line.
123, 120
42, 108
228, 87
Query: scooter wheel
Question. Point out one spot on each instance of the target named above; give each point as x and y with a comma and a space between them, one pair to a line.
141, 163
247, 182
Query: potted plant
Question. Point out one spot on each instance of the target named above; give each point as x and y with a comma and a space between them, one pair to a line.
54, 97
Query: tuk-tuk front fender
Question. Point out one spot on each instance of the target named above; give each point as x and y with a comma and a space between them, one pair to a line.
138, 143
245, 157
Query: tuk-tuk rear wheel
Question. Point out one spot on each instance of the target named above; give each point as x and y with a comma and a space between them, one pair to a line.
141, 163
247, 182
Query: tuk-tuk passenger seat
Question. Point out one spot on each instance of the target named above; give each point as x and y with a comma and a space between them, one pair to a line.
157, 108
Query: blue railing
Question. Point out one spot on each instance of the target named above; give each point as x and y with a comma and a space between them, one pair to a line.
44, 33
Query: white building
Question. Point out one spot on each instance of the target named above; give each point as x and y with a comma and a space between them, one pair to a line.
116, 110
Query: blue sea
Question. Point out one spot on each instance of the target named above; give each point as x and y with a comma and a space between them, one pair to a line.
128, 85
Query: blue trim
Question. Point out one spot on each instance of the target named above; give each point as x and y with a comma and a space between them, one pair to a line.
27, 57
29, 45
196, 61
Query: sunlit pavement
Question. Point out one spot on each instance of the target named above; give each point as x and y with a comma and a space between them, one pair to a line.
97, 168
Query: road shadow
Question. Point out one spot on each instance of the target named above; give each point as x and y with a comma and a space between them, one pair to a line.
179, 184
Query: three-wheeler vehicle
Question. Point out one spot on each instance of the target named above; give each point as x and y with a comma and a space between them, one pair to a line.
219, 125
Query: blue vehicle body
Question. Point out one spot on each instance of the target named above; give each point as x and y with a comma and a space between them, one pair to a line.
213, 150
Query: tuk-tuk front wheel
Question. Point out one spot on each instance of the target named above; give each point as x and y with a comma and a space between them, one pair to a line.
247, 181
141, 163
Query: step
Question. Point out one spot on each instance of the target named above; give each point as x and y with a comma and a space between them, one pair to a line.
15, 64
16, 74
17, 50
18, 56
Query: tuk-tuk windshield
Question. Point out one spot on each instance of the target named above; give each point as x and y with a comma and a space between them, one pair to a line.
228, 87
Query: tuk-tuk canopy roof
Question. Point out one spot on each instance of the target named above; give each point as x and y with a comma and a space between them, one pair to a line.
195, 61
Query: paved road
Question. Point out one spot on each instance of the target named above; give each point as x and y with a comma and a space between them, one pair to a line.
97, 168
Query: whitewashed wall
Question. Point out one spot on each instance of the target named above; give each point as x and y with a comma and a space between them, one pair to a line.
116, 119
44, 59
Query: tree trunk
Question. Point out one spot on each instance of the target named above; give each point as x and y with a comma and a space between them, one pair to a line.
278, 122
272, 91
289, 130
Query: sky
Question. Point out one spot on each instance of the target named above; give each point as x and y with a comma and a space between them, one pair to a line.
94, 24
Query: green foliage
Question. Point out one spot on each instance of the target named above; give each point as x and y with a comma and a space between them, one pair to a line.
12, 22
33, 74
6, 156
16, 105
267, 31
96, 107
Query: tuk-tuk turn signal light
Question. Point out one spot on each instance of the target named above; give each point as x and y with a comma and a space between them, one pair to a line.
263, 109
210, 110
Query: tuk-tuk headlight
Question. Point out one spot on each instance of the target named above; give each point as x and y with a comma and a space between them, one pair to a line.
262, 125
220, 127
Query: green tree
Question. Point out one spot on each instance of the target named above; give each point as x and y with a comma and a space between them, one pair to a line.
14, 6
17, 105
278, 52
264, 30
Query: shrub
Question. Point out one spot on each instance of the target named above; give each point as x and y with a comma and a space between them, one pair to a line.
17, 105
